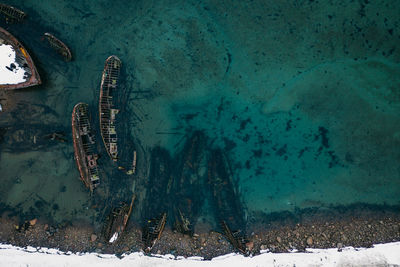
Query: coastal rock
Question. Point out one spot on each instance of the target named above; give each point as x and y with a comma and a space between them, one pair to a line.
93, 237
309, 241
279, 239
250, 245
33, 222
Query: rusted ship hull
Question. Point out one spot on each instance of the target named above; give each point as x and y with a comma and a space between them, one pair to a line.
153, 230
23, 59
84, 144
12, 13
59, 46
116, 222
228, 209
107, 112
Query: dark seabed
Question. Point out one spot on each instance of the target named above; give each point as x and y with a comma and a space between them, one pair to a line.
298, 102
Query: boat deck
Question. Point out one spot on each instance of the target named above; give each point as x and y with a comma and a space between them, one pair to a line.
84, 143
107, 112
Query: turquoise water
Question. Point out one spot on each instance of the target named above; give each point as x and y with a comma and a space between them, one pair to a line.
303, 97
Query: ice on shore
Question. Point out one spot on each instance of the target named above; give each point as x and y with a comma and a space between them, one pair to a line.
382, 255
10, 71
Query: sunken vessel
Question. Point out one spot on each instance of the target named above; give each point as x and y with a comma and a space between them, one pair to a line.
159, 183
107, 112
228, 208
116, 221
58, 46
11, 13
84, 145
157, 200
153, 230
24, 137
188, 179
22, 60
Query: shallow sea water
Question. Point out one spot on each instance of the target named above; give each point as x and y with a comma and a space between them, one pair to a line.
303, 97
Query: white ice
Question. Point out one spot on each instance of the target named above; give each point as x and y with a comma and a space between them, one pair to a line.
382, 255
7, 56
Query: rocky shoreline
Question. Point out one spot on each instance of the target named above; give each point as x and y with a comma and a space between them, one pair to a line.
315, 230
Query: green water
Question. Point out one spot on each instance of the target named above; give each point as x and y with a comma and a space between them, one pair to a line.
303, 96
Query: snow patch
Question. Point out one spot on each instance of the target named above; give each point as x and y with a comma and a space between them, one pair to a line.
10, 71
382, 254
113, 238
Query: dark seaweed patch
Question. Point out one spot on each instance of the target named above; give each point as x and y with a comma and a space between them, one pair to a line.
334, 160
323, 132
281, 151
288, 125
229, 144
63, 189
257, 153
244, 123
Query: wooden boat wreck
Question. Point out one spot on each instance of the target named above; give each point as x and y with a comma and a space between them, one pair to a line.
159, 182
12, 13
107, 112
228, 209
117, 220
153, 230
22, 60
59, 46
30, 137
84, 145
236, 238
157, 200
189, 179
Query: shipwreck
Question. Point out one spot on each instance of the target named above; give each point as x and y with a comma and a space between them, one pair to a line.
84, 145
117, 220
228, 209
16, 63
24, 137
11, 13
157, 201
189, 178
159, 182
107, 112
153, 230
58, 46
